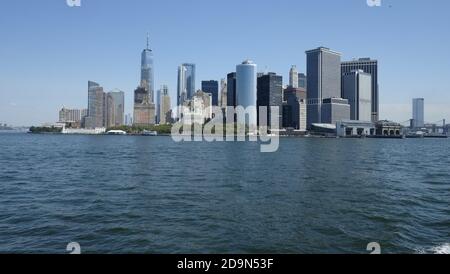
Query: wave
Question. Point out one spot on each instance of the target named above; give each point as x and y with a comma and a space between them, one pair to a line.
441, 249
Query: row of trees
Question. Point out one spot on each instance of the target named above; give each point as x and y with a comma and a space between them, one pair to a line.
136, 129
45, 129
167, 129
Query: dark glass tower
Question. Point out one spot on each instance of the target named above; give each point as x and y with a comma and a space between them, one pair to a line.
212, 87
270, 93
231, 89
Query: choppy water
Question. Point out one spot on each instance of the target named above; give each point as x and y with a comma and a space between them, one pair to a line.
123, 194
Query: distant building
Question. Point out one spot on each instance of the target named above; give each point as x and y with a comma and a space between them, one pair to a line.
357, 89
293, 77
197, 110
144, 109
186, 83
246, 91
69, 115
116, 108
368, 66
418, 120
223, 93
212, 87
128, 119
109, 111
84, 113
302, 81
158, 105
388, 129
96, 106
231, 89
323, 81
294, 109
335, 110
165, 113
269, 94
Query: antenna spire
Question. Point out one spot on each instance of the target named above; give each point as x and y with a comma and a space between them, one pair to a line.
148, 41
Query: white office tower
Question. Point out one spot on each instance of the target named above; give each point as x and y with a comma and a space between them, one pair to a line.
293, 77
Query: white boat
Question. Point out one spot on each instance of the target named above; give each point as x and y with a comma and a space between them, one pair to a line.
150, 133
116, 132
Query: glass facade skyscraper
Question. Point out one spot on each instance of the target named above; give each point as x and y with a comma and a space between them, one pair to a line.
357, 89
147, 72
96, 106
212, 87
246, 90
118, 109
323, 80
186, 82
418, 113
368, 66
231, 89
302, 80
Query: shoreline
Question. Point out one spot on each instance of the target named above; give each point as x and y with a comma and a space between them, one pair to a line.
236, 136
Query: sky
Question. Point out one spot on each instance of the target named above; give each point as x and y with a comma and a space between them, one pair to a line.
49, 51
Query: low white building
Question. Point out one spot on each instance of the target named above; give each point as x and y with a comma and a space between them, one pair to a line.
353, 128
84, 131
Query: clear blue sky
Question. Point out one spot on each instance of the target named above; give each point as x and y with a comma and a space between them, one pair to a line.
48, 51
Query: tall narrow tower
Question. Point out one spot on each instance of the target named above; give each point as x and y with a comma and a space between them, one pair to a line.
293, 77
147, 71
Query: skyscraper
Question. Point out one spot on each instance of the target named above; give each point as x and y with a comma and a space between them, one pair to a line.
181, 88
118, 107
147, 72
302, 81
144, 106
223, 93
231, 89
269, 93
246, 91
418, 113
212, 87
357, 89
323, 80
109, 118
96, 106
368, 66
294, 108
186, 82
293, 77
165, 113
158, 105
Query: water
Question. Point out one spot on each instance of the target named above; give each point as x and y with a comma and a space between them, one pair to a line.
123, 194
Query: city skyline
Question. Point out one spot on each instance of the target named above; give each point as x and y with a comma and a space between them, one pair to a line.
53, 84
